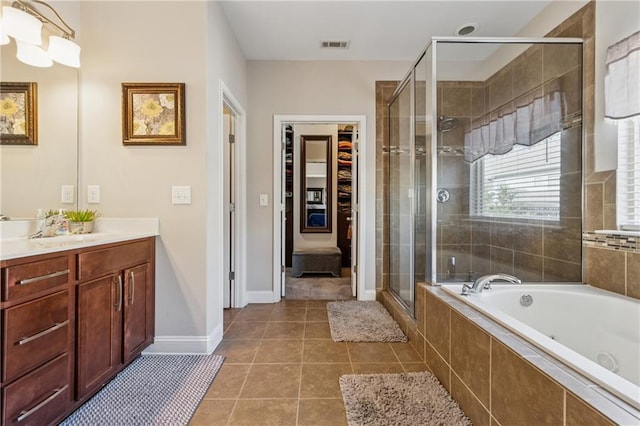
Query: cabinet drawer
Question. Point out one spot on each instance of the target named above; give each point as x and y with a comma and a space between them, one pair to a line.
30, 278
40, 397
35, 332
100, 262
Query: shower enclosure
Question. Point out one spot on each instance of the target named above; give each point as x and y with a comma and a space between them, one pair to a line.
484, 164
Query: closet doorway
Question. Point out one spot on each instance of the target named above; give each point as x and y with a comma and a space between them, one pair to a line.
316, 208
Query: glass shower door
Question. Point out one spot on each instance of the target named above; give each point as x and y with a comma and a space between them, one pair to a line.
400, 196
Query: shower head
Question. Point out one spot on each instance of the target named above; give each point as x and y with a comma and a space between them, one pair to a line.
446, 123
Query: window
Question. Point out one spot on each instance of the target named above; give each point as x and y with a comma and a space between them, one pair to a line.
523, 183
628, 175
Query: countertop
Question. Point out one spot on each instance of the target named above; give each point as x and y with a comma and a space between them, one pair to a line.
14, 242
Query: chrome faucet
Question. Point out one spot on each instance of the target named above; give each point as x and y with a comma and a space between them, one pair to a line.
484, 282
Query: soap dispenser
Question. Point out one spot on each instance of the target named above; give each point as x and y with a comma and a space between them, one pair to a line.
40, 218
63, 223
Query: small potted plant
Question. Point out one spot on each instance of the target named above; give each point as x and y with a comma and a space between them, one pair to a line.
81, 221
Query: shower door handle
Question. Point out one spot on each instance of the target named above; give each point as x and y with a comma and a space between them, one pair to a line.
442, 196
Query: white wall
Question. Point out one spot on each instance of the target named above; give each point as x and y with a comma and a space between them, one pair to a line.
615, 20
225, 64
309, 88
151, 45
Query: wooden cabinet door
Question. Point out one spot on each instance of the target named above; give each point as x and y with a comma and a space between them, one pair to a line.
100, 304
138, 311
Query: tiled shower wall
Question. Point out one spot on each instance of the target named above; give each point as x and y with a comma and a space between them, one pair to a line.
533, 250
384, 90
606, 266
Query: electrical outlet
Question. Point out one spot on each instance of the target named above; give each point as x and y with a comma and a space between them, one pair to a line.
180, 195
93, 194
67, 194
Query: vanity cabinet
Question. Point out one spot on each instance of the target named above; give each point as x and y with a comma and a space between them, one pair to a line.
70, 321
37, 339
115, 311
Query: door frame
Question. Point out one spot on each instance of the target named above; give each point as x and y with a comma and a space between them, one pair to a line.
365, 263
240, 186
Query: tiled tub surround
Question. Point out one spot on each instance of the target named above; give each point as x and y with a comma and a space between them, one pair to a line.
576, 323
613, 262
496, 376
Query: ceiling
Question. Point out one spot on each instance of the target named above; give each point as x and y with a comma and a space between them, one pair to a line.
377, 30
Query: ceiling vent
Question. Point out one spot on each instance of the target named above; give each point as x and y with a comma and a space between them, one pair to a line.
467, 29
334, 44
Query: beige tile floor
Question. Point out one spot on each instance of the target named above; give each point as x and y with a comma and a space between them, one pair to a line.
282, 368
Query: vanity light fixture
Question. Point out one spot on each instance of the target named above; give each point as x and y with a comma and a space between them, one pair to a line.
24, 22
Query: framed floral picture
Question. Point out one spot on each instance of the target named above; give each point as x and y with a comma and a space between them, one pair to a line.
153, 114
18, 113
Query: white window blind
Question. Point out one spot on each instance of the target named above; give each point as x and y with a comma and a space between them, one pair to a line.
523, 183
628, 174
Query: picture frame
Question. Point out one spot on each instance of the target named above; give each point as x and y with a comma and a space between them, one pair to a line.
153, 114
18, 113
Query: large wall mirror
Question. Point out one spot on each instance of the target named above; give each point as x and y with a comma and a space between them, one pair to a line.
32, 176
315, 184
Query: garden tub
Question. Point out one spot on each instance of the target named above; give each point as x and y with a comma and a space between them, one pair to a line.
594, 331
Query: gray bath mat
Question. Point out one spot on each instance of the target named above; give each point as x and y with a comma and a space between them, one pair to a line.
356, 321
399, 399
153, 390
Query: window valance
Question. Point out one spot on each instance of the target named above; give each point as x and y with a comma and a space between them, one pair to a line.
526, 123
622, 79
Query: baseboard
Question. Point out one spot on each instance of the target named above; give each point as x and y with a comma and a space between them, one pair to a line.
185, 345
259, 297
368, 295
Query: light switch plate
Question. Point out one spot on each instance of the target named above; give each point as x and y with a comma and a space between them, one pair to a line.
264, 200
67, 194
180, 195
93, 194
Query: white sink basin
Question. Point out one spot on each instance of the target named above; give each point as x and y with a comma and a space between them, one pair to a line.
65, 240
72, 238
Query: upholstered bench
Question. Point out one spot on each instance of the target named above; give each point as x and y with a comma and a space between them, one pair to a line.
317, 260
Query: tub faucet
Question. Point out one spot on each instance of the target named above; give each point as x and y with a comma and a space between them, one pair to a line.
485, 282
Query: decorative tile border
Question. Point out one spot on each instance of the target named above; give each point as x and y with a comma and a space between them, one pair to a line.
611, 241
